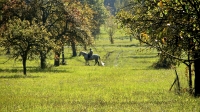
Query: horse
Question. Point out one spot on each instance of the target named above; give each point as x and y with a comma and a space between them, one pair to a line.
95, 57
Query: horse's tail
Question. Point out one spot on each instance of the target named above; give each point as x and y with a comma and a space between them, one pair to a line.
101, 62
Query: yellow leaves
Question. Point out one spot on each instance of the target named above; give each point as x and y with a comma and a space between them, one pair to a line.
164, 30
164, 40
181, 34
167, 1
144, 37
126, 18
160, 4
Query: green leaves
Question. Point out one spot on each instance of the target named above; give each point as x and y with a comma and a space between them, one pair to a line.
23, 35
153, 18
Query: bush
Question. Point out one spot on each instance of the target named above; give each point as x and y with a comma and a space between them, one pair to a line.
163, 62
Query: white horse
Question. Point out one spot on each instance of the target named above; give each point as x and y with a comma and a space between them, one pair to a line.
95, 57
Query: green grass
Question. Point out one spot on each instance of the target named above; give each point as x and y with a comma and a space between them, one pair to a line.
127, 83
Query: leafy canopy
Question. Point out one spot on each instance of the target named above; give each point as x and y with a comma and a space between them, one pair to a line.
170, 26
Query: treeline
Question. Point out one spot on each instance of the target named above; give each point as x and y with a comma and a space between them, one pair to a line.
115, 5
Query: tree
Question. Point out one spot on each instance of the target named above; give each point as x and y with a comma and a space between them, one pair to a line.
25, 39
64, 20
44, 13
53, 16
99, 16
80, 29
110, 28
120, 4
170, 26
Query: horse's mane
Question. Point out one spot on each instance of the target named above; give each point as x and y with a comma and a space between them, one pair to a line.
84, 52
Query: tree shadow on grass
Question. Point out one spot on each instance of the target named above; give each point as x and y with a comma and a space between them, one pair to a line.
151, 67
125, 103
34, 70
149, 56
17, 76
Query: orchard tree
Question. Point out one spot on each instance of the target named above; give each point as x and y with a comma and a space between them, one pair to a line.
44, 13
24, 38
53, 15
111, 27
61, 19
79, 31
170, 26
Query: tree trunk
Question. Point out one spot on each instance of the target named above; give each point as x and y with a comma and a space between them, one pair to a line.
8, 51
73, 45
57, 59
131, 38
63, 56
190, 79
43, 60
24, 58
111, 40
197, 75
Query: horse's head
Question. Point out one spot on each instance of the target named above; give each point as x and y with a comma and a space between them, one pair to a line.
82, 53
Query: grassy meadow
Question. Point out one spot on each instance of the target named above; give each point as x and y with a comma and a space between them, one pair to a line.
127, 83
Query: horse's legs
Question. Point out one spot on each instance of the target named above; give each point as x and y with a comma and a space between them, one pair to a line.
87, 63
96, 61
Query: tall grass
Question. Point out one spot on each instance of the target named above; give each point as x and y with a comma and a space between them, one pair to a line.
127, 83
